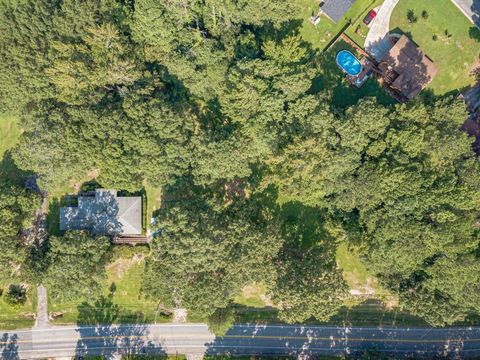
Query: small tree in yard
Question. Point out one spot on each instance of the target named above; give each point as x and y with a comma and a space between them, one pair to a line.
16, 295
221, 320
412, 18
425, 14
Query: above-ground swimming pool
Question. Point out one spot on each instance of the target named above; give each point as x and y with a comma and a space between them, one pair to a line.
348, 63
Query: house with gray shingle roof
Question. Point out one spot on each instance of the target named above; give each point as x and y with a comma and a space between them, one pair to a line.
336, 9
105, 213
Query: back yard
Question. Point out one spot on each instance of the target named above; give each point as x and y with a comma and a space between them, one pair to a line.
445, 35
321, 35
332, 80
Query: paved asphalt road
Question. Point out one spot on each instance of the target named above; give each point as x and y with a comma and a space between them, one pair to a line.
195, 339
471, 9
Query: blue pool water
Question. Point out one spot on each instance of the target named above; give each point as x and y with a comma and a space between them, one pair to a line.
348, 63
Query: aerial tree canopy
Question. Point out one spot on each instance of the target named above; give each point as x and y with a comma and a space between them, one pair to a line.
17, 210
410, 175
209, 248
76, 265
218, 102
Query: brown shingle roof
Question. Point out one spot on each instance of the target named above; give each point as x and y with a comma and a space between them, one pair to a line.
415, 70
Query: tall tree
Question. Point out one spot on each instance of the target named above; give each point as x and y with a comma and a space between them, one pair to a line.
411, 176
17, 210
208, 248
25, 52
76, 265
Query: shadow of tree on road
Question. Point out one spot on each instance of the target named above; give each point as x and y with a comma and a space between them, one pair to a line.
9, 347
98, 335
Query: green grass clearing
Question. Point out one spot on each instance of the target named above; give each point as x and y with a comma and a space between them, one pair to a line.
124, 282
9, 132
20, 317
456, 49
154, 201
321, 35
361, 283
369, 313
254, 295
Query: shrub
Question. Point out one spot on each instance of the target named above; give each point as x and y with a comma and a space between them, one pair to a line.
221, 320
16, 295
425, 14
412, 18
434, 37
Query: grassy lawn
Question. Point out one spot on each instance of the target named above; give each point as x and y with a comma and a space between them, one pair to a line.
9, 133
456, 48
319, 36
332, 80
254, 295
362, 285
154, 200
123, 286
17, 317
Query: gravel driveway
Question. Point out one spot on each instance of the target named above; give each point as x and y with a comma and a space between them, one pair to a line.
377, 43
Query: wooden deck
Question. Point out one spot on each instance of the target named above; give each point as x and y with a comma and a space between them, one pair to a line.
131, 240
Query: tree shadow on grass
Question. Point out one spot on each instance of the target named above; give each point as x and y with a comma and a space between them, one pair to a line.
370, 313
99, 335
303, 225
10, 172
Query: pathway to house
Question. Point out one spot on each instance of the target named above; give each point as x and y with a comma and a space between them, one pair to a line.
42, 308
377, 43
471, 9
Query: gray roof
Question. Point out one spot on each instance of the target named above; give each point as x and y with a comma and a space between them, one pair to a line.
335, 9
104, 214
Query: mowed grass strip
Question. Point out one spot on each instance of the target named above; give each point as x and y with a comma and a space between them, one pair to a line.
17, 317
446, 36
9, 132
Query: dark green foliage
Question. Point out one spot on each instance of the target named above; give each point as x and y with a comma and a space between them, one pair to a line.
425, 14
308, 283
76, 265
25, 36
411, 177
16, 295
221, 320
17, 209
209, 248
411, 16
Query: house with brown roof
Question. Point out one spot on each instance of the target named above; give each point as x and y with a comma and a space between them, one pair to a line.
406, 70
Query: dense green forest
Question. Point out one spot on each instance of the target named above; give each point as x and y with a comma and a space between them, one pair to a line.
214, 101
